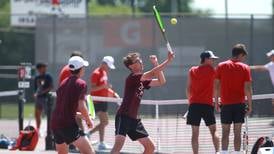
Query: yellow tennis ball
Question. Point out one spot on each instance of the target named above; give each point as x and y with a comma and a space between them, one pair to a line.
173, 21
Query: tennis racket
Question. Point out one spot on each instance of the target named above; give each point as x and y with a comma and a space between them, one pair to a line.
90, 105
159, 20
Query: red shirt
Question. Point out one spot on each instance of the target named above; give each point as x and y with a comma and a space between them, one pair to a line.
70, 91
65, 72
201, 84
233, 75
134, 90
99, 77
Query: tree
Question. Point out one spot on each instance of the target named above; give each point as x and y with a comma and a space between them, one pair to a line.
183, 6
272, 7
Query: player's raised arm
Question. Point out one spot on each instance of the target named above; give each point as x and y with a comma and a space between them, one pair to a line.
157, 70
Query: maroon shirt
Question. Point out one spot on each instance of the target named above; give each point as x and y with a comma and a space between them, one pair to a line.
71, 90
134, 90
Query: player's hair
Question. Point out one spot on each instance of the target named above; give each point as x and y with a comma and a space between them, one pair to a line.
76, 53
239, 49
130, 58
40, 65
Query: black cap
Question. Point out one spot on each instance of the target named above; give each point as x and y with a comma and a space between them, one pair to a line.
208, 54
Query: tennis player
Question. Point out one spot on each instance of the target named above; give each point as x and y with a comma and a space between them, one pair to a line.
101, 87
126, 120
71, 99
65, 73
43, 84
233, 84
200, 95
269, 67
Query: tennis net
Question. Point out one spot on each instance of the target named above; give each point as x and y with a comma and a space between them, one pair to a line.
168, 128
165, 124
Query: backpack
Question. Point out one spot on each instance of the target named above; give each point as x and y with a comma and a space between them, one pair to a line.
4, 142
27, 139
261, 142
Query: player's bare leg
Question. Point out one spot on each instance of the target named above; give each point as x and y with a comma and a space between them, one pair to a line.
225, 136
62, 148
83, 145
148, 145
194, 139
103, 118
237, 128
215, 137
119, 142
38, 113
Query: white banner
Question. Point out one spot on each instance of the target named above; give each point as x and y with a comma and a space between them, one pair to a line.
24, 12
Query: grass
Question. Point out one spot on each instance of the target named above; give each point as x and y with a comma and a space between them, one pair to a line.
96, 9
4, 13
10, 110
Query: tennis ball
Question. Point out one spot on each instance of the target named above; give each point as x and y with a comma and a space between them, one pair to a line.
173, 21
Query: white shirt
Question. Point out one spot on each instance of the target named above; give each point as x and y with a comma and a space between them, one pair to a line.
270, 67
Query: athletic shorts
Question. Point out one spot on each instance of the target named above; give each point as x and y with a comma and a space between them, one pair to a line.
101, 106
198, 111
234, 113
134, 128
66, 135
41, 102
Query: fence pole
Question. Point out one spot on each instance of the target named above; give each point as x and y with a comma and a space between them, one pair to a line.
251, 39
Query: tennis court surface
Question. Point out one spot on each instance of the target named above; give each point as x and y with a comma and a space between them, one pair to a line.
173, 136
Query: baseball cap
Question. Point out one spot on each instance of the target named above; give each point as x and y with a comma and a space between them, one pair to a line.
76, 62
109, 61
270, 53
208, 54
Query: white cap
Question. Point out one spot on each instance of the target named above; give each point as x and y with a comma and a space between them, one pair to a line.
270, 53
109, 61
76, 62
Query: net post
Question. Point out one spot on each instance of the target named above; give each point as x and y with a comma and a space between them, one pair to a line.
21, 101
157, 125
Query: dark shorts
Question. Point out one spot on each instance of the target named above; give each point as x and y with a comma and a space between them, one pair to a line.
234, 113
198, 111
41, 102
66, 135
101, 106
134, 128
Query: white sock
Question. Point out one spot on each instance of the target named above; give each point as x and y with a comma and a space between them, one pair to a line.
237, 152
224, 152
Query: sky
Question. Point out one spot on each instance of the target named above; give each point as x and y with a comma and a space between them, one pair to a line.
235, 6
